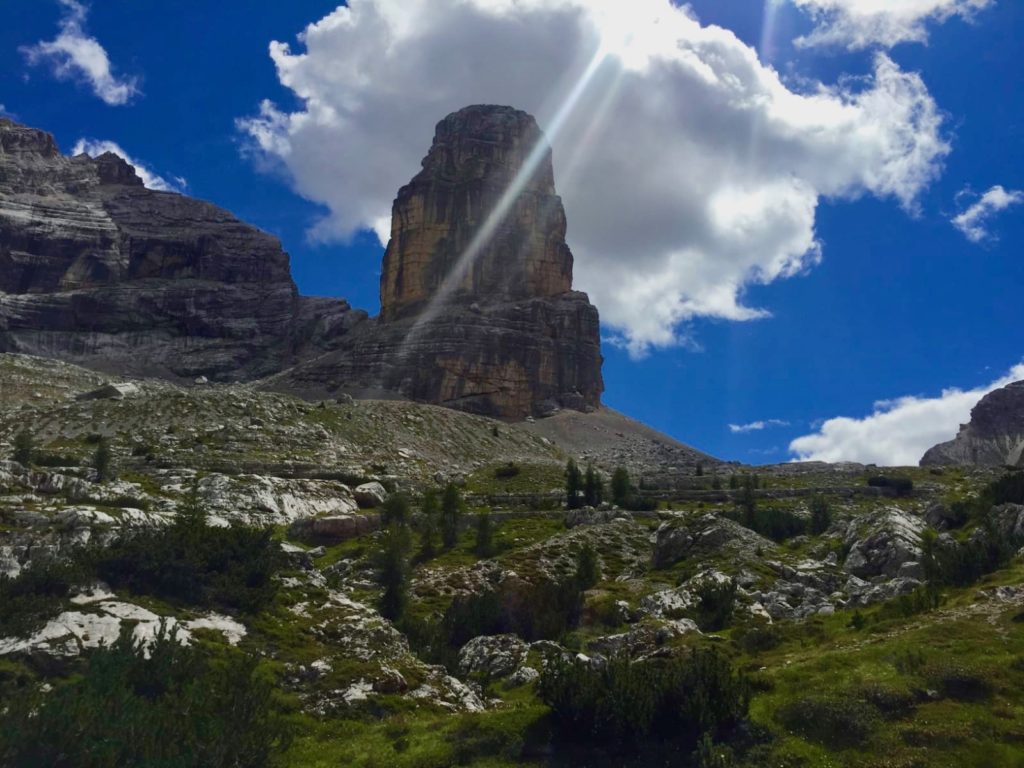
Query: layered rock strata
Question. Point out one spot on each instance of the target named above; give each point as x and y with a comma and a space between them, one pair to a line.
994, 437
477, 310
99, 270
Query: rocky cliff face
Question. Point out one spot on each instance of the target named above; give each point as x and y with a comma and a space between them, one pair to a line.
994, 436
478, 169
97, 269
477, 310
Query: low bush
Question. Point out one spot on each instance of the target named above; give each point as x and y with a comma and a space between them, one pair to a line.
900, 486
1008, 489
30, 599
775, 524
178, 707
956, 681
625, 702
507, 472
715, 603
194, 563
835, 720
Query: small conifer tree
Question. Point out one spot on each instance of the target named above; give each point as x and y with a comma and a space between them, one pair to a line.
103, 461
24, 447
588, 571
429, 512
394, 572
821, 515
484, 534
621, 486
451, 512
593, 488
573, 485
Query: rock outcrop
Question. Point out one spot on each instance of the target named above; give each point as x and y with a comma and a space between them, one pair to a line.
477, 311
99, 270
993, 438
477, 307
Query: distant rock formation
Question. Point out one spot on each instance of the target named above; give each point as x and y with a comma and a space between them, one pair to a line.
477, 311
994, 437
477, 307
98, 270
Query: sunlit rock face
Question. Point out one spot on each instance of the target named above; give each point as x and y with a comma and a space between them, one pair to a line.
477, 309
479, 155
98, 270
994, 437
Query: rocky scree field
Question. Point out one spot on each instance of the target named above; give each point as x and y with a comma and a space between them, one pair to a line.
389, 584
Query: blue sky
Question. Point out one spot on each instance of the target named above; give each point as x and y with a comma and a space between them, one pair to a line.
891, 301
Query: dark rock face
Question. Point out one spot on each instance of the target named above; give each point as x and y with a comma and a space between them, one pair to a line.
994, 436
98, 270
487, 324
478, 311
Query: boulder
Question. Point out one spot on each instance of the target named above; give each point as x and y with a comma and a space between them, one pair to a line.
882, 542
370, 495
111, 392
333, 529
493, 656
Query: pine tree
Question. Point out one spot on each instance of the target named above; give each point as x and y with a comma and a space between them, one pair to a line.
394, 572
821, 515
573, 485
395, 509
24, 447
451, 512
484, 534
103, 461
621, 487
593, 488
587, 568
429, 513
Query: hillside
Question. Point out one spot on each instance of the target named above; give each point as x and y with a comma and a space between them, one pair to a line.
857, 620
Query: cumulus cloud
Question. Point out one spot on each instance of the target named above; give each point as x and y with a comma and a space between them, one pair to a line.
857, 24
899, 431
95, 148
756, 426
74, 55
974, 220
688, 169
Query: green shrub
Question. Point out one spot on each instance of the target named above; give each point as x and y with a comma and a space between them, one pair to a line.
715, 603
30, 599
900, 486
835, 720
194, 563
757, 637
775, 524
821, 515
507, 471
623, 702
429, 513
957, 681
179, 707
1008, 489
24, 447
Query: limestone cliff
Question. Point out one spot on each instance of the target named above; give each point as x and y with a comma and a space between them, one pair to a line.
477, 310
99, 270
994, 437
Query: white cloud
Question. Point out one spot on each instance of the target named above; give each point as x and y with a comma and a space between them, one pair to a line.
687, 168
899, 431
973, 222
756, 426
857, 24
75, 55
95, 148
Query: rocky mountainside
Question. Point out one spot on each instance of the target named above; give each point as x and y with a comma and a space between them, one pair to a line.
99, 270
477, 308
861, 618
477, 311
993, 438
